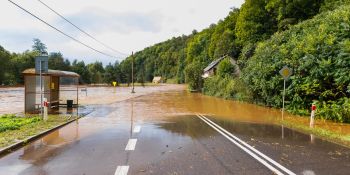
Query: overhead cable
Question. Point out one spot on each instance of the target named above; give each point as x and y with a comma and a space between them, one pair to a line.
121, 53
58, 30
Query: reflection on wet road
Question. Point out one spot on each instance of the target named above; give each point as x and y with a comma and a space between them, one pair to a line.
160, 134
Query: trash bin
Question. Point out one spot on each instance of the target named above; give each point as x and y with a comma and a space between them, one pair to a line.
69, 103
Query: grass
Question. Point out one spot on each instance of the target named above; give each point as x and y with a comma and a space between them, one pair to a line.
12, 122
15, 129
320, 132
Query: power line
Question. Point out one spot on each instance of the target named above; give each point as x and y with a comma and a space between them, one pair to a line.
81, 29
76, 40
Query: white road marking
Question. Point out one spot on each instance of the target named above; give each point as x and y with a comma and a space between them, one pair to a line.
131, 145
137, 129
235, 140
122, 170
251, 148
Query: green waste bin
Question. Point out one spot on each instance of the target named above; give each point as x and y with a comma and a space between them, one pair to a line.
69, 103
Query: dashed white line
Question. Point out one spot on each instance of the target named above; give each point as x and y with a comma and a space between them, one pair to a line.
122, 170
137, 129
131, 145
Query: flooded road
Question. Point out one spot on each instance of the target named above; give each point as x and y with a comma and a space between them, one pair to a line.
160, 133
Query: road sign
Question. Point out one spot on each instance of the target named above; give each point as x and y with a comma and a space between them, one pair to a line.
41, 64
286, 72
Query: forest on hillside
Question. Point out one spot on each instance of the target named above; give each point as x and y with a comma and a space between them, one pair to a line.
312, 37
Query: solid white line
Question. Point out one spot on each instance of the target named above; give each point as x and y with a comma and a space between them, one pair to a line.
131, 145
137, 129
122, 170
244, 149
251, 148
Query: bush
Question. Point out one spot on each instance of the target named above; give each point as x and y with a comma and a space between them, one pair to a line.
338, 111
193, 76
318, 51
219, 87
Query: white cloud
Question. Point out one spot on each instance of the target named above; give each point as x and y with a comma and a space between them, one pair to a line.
126, 25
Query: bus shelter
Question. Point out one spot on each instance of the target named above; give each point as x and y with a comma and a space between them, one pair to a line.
58, 87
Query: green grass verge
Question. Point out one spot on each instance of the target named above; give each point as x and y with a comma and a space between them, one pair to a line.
29, 126
320, 132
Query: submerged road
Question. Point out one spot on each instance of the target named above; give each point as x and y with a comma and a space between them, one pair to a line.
161, 134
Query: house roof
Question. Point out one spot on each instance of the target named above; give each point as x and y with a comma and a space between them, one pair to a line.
51, 72
213, 64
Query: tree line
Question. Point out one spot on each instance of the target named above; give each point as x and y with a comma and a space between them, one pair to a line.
13, 64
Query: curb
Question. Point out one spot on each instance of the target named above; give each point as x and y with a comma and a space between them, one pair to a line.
24, 142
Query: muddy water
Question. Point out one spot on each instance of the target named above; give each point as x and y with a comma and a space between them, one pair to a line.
183, 102
12, 99
173, 100
170, 131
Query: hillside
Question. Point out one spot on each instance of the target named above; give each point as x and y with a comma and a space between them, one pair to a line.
311, 37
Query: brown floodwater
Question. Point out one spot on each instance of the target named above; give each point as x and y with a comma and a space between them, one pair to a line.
183, 102
174, 100
173, 139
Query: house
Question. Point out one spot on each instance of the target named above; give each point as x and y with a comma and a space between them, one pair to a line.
210, 70
157, 80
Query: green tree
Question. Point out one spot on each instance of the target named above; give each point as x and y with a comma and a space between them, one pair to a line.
82, 70
57, 62
226, 68
254, 23
39, 46
288, 12
193, 76
5, 57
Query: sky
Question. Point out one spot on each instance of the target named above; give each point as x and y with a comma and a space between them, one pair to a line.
124, 25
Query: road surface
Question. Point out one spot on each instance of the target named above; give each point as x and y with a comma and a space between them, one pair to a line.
154, 134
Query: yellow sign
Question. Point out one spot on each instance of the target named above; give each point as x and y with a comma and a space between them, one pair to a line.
52, 85
114, 83
286, 72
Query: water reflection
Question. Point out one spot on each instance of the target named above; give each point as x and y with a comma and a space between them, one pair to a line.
50, 145
187, 126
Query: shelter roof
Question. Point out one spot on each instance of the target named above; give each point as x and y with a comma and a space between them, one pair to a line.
51, 72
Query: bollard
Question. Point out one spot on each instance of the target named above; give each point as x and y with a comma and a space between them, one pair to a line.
312, 117
46, 105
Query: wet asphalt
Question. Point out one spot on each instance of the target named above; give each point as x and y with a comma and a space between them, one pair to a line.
170, 140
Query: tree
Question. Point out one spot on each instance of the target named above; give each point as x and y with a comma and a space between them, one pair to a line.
96, 71
226, 68
5, 57
193, 76
288, 12
38, 46
254, 23
57, 62
82, 70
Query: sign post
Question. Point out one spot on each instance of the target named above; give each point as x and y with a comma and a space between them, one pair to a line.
41, 66
286, 72
312, 117
46, 106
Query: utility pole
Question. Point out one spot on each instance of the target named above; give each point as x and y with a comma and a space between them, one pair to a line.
132, 73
